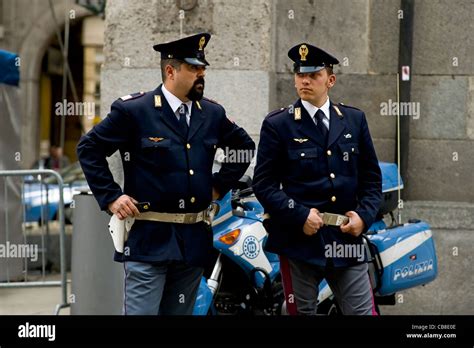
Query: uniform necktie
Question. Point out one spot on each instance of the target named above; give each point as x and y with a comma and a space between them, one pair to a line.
183, 124
321, 126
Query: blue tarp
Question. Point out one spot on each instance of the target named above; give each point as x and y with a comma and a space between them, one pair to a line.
9, 68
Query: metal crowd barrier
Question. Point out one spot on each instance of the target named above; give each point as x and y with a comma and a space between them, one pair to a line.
44, 231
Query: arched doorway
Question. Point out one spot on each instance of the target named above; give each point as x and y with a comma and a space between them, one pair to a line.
31, 53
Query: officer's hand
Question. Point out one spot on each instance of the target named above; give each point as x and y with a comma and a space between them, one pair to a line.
355, 226
313, 222
124, 206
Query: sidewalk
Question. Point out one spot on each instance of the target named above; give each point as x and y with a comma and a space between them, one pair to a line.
32, 301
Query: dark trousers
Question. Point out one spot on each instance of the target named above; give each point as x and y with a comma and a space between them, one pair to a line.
350, 286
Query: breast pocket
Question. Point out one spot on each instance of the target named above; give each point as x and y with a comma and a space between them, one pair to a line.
156, 153
350, 155
304, 162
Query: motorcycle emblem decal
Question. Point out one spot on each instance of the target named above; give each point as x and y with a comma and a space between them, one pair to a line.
251, 247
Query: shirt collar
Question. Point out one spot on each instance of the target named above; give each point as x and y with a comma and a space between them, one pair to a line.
313, 109
174, 101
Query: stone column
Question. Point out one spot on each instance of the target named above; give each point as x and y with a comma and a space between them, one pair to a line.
240, 52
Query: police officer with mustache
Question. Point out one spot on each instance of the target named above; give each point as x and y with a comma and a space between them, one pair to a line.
167, 139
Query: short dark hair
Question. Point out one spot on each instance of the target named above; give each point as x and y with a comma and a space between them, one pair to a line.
329, 70
175, 63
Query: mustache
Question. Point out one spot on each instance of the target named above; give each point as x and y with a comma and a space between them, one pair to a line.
198, 81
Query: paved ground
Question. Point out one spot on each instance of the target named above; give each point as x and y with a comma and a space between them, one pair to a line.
32, 301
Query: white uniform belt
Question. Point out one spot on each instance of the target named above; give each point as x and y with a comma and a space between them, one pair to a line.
328, 218
186, 218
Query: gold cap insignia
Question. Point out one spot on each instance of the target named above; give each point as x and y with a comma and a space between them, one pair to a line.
202, 41
157, 101
303, 52
297, 114
300, 140
156, 140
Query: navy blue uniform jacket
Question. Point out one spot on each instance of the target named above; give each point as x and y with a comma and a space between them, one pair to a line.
165, 167
293, 174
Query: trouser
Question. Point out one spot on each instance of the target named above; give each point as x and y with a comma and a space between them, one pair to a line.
350, 286
164, 289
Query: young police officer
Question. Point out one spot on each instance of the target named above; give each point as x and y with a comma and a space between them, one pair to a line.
167, 139
317, 175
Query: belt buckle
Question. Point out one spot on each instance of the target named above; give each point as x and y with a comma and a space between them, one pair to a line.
341, 219
334, 219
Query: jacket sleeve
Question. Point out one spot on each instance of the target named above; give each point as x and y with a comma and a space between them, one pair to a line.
102, 141
234, 138
369, 192
267, 181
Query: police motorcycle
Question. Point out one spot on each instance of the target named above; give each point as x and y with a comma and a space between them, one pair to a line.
245, 279
401, 256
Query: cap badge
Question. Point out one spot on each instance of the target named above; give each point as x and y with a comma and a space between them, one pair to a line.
202, 41
303, 52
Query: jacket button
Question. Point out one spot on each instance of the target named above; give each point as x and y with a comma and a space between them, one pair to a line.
333, 198
193, 199
329, 152
191, 172
188, 146
332, 175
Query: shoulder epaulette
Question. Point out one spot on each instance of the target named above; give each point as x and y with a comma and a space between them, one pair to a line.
210, 100
132, 96
348, 106
276, 112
